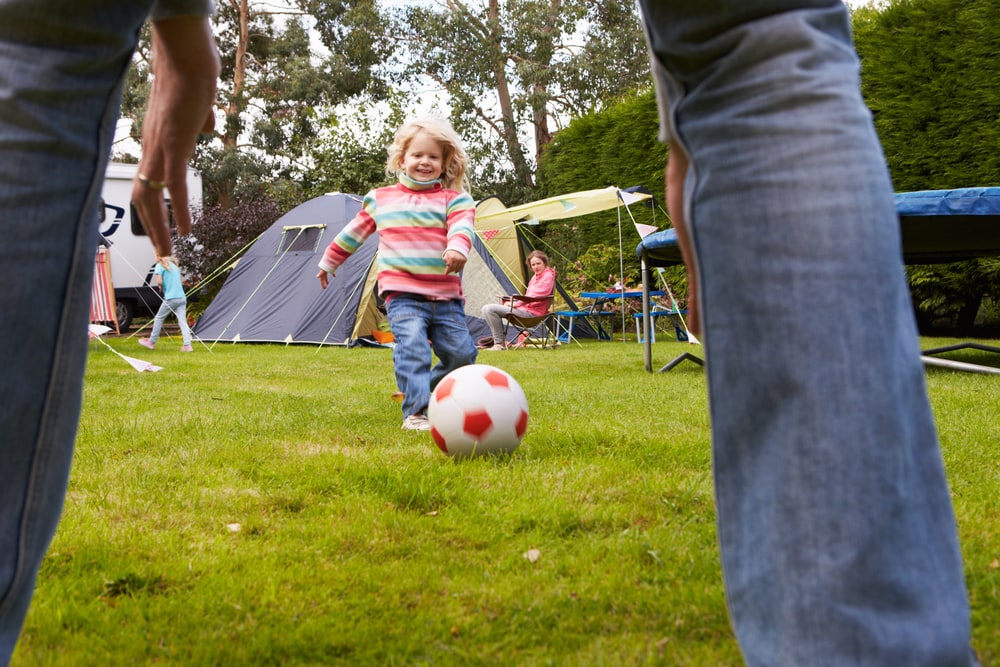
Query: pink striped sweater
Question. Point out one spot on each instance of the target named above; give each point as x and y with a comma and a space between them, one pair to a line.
541, 284
416, 224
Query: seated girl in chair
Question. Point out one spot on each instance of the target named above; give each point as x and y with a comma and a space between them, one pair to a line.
542, 284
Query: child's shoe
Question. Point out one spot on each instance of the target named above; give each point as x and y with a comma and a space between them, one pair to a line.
146, 343
416, 423
186, 348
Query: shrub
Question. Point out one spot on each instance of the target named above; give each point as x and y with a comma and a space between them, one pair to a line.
220, 235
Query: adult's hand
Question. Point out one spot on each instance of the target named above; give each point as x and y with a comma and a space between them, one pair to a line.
185, 71
677, 166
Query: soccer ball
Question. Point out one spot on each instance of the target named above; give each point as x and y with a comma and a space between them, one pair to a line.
477, 410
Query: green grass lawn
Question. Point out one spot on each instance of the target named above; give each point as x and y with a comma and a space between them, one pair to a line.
261, 505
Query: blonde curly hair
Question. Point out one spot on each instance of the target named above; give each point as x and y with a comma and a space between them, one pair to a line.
455, 159
166, 260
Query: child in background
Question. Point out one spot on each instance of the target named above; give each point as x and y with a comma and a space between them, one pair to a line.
425, 227
168, 276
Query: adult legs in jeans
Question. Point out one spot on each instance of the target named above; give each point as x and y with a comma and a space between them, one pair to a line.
177, 308
835, 525
413, 321
57, 116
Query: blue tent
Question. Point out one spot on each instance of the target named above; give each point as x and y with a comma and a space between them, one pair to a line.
272, 294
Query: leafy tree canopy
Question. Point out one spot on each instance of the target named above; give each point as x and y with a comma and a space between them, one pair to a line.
515, 68
929, 74
219, 237
614, 147
282, 70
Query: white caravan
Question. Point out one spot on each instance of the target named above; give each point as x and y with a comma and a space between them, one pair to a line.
131, 252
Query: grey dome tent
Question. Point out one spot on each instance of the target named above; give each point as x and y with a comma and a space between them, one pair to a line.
272, 295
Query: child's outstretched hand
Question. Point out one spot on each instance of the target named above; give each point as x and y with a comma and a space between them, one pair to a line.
324, 278
454, 261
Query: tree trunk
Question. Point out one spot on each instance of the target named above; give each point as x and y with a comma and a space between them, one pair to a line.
540, 89
510, 139
231, 130
967, 314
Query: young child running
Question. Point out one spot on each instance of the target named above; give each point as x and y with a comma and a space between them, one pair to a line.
168, 276
425, 227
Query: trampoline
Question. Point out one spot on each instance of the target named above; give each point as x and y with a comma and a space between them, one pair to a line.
937, 227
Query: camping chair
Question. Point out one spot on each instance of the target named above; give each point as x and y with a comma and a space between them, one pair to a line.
525, 326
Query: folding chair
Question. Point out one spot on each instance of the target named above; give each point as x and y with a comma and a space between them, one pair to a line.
526, 326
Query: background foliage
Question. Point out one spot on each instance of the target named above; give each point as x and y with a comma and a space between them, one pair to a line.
537, 63
219, 236
930, 75
617, 146
557, 99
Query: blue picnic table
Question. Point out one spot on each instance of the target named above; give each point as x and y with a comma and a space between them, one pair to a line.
595, 310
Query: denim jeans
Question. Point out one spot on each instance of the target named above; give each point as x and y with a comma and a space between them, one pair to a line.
414, 321
835, 525
178, 307
60, 69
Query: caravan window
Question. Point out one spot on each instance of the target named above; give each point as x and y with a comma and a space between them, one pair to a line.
301, 239
138, 229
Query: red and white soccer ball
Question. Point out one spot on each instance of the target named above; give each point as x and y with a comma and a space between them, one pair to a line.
477, 410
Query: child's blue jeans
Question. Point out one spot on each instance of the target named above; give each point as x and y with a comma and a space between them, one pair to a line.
178, 308
415, 321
